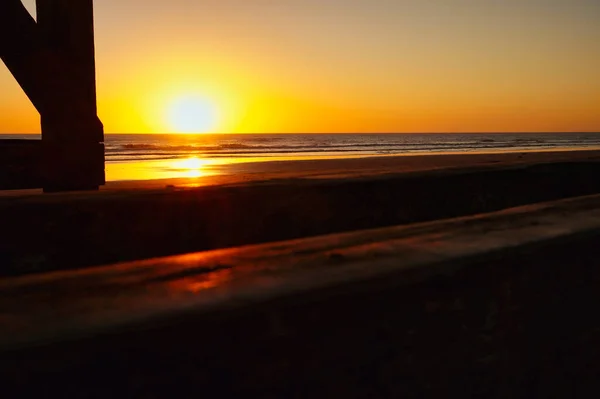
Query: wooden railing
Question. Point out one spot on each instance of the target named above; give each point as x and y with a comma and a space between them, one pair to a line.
496, 305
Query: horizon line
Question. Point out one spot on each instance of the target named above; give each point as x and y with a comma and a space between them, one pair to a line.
332, 133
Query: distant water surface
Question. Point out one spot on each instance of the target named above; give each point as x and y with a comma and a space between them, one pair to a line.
141, 156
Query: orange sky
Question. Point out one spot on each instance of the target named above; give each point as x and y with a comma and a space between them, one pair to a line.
342, 66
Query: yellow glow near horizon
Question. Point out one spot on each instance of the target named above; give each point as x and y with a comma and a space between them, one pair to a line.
178, 102
296, 66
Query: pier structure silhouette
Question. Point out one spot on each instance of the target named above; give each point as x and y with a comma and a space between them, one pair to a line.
53, 60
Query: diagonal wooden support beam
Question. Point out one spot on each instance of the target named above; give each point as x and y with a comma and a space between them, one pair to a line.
45, 75
53, 62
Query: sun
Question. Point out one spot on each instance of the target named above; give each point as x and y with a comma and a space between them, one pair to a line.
192, 114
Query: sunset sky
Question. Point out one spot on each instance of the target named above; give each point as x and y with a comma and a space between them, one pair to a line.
339, 66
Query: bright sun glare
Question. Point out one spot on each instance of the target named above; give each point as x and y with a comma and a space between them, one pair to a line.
192, 114
191, 167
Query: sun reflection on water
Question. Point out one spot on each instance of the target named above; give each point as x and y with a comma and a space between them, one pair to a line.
194, 168
191, 167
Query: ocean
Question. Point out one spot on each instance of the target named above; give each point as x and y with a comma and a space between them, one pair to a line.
153, 152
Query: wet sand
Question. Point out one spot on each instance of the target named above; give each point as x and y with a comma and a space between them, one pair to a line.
336, 168
239, 173
328, 168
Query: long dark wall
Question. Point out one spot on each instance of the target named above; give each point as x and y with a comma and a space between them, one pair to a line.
521, 323
20, 164
49, 233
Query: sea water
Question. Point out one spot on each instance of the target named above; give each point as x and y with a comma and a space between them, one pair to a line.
155, 151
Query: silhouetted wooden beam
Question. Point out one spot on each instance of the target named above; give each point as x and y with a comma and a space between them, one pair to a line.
67, 28
53, 63
48, 79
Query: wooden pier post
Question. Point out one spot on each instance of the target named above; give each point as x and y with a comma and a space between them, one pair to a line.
53, 61
73, 157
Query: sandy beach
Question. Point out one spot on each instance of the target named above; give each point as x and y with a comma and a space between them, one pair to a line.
246, 172
324, 168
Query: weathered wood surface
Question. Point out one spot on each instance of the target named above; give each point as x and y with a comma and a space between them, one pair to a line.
499, 305
53, 62
493, 306
57, 306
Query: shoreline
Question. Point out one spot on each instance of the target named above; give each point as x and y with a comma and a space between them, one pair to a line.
343, 166
249, 173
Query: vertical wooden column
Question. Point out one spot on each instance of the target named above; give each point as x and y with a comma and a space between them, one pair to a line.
72, 142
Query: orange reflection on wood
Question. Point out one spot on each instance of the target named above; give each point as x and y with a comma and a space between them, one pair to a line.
209, 281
